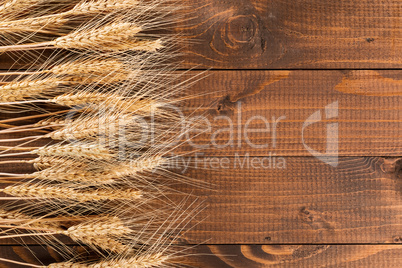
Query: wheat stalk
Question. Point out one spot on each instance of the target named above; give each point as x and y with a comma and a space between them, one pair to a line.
52, 122
29, 221
112, 37
32, 25
44, 162
36, 191
72, 173
86, 7
113, 70
77, 150
13, 7
141, 261
101, 233
18, 90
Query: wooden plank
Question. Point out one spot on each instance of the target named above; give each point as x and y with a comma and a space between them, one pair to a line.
260, 34
235, 103
250, 256
305, 201
287, 34
364, 108
36, 255
335, 256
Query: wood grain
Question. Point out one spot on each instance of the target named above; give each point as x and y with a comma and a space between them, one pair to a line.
301, 200
286, 34
246, 256
368, 117
307, 201
335, 256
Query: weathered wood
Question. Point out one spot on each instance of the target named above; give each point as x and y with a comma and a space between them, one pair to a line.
335, 256
368, 117
248, 256
261, 34
368, 114
37, 255
295, 200
294, 34
307, 201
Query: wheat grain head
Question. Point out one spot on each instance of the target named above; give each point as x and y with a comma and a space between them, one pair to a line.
37, 191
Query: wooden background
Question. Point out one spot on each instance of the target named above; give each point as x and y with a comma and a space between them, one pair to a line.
292, 58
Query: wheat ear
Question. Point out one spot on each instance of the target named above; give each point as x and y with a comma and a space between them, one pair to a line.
44, 162
29, 221
141, 261
72, 173
86, 7
82, 8
78, 150
21, 89
32, 25
112, 37
101, 233
36, 191
13, 7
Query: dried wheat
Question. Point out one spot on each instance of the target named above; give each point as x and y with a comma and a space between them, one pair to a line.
77, 150
110, 37
72, 173
86, 7
36, 191
14, 7
141, 106
44, 162
141, 261
21, 89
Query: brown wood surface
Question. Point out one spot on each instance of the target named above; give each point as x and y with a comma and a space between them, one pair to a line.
308, 201
286, 34
246, 256
369, 112
304, 213
304, 201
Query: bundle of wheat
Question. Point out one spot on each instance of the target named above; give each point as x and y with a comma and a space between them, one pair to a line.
102, 125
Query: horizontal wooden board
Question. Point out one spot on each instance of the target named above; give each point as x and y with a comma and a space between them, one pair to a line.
305, 201
261, 34
334, 256
291, 34
278, 112
292, 200
298, 113
249, 256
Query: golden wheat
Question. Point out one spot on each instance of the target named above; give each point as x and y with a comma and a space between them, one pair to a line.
25, 220
115, 37
36, 191
44, 162
141, 261
100, 233
13, 7
86, 7
110, 37
72, 173
77, 150
141, 106
18, 90
32, 25
113, 70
